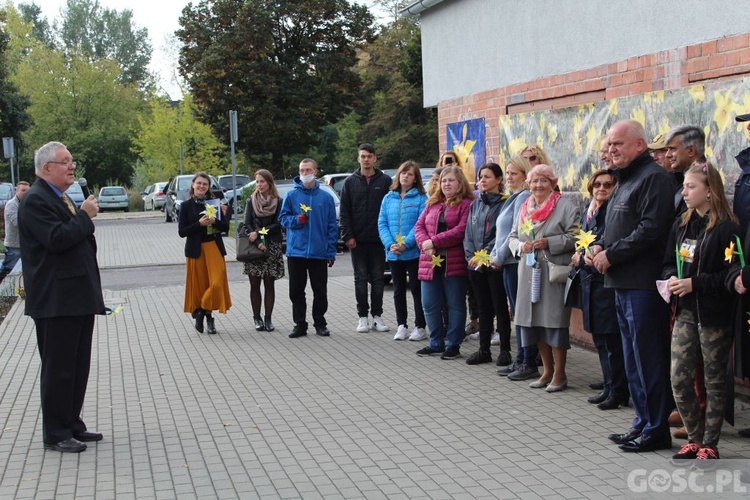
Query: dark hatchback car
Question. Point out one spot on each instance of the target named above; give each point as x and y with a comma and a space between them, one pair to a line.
178, 190
225, 181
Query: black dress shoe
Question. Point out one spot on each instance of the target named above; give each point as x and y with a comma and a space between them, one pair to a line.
595, 400
89, 436
210, 325
259, 325
647, 443
199, 314
323, 331
612, 403
624, 438
269, 325
69, 445
597, 387
298, 331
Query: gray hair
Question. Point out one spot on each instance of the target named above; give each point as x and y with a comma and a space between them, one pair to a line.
46, 154
689, 135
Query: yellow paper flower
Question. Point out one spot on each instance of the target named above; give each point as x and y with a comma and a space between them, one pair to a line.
684, 253
527, 227
304, 207
585, 239
400, 239
436, 261
729, 253
210, 211
481, 258
263, 231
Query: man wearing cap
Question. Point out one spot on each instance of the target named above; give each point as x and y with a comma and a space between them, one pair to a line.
741, 205
686, 144
658, 150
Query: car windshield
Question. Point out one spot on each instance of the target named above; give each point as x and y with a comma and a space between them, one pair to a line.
113, 191
6, 191
183, 183
75, 188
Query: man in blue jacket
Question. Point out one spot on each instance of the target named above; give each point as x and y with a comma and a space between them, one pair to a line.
309, 216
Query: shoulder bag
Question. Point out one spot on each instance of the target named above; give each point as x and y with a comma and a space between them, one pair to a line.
247, 251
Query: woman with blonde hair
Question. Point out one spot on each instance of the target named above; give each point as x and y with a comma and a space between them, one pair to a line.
442, 267
535, 155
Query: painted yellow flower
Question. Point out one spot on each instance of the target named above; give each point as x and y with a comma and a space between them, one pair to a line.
592, 139
517, 145
639, 116
400, 239
210, 211
664, 126
542, 122
436, 261
729, 253
521, 118
570, 175
591, 107
304, 208
578, 144
527, 226
657, 96
584, 183
697, 93
724, 109
585, 239
506, 122
552, 132
613, 107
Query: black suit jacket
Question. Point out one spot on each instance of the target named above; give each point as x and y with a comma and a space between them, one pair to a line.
58, 251
190, 228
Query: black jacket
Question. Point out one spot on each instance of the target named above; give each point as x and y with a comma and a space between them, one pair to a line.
270, 222
58, 250
196, 234
710, 301
741, 204
639, 216
360, 206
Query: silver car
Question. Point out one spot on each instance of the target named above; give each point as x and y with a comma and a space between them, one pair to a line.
114, 198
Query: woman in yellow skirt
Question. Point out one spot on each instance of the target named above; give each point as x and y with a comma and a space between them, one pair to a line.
206, 286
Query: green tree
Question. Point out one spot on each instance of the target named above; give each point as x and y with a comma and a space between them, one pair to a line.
41, 29
161, 133
286, 67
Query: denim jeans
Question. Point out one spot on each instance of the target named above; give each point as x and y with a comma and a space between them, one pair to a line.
12, 254
399, 271
368, 262
644, 325
440, 291
510, 280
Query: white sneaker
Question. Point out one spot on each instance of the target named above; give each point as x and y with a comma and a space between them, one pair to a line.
495, 339
418, 334
401, 333
378, 324
363, 325
474, 336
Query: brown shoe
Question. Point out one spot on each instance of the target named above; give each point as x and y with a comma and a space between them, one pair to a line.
675, 420
680, 433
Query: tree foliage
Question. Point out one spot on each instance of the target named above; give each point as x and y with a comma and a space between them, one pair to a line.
285, 66
41, 29
160, 137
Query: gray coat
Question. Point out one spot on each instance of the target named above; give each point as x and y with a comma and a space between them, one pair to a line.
550, 311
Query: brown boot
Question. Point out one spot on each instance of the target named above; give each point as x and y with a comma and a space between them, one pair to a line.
675, 420
680, 433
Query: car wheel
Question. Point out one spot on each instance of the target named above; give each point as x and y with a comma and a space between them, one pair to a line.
167, 215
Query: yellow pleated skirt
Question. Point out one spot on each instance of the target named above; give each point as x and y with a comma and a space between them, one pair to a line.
206, 283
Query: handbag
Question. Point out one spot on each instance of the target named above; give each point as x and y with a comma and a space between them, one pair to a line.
558, 273
247, 251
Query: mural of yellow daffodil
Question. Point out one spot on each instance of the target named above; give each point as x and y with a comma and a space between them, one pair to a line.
724, 110
697, 93
465, 156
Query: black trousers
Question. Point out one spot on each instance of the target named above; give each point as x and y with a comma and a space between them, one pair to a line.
299, 269
368, 262
492, 302
65, 349
399, 270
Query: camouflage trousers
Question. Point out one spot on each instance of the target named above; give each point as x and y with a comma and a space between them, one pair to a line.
689, 341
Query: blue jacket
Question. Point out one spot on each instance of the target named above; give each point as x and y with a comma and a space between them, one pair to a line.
398, 217
317, 238
501, 255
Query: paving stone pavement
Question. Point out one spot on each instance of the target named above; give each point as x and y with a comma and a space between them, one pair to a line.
245, 414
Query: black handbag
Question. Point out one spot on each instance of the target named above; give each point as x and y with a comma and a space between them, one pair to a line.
246, 250
573, 290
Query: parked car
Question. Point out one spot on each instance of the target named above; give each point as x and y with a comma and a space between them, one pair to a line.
153, 196
7, 192
75, 193
232, 193
114, 198
225, 181
336, 181
178, 191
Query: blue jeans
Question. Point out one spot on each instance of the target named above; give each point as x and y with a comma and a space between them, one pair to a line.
510, 281
12, 254
368, 262
644, 324
449, 291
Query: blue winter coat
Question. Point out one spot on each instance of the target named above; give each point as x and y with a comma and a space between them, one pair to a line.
317, 238
398, 217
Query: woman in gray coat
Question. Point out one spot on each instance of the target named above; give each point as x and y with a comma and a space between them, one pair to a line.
543, 237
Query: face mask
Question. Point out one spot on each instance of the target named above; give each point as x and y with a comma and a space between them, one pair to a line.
307, 179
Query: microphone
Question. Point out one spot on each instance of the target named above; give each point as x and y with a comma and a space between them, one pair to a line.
84, 187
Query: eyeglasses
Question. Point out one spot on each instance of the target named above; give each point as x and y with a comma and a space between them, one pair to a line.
531, 158
69, 162
605, 185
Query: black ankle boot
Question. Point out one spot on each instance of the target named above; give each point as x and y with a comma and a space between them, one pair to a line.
269, 325
211, 327
199, 314
259, 326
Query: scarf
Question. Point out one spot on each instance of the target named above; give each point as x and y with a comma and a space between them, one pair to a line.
593, 210
263, 205
539, 214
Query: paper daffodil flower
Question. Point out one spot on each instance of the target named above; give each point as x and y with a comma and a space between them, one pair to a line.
436, 261
527, 227
481, 258
263, 231
111, 312
729, 252
400, 239
210, 211
585, 239
304, 208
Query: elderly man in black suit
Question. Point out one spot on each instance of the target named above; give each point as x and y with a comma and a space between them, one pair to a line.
63, 293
